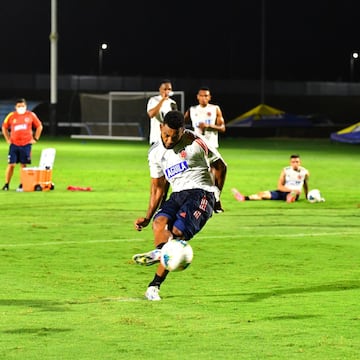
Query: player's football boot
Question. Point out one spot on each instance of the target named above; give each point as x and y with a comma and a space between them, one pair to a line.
149, 258
218, 208
152, 293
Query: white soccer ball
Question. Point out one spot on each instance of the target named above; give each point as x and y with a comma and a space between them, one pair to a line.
176, 255
314, 196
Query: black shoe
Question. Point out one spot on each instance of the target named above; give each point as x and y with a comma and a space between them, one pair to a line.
5, 187
218, 208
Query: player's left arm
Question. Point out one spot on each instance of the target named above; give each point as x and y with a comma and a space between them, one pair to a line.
38, 132
38, 127
220, 122
306, 185
219, 170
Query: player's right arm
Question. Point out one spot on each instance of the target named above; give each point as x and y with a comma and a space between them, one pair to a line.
5, 130
282, 184
157, 190
5, 133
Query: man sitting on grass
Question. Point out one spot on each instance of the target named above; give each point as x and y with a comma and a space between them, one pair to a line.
292, 180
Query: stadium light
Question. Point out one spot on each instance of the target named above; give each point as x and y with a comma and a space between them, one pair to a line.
102, 47
354, 56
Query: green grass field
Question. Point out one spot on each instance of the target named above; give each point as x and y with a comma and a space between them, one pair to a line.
269, 280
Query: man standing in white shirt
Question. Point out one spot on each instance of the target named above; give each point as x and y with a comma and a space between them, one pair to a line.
157, 107
207, 120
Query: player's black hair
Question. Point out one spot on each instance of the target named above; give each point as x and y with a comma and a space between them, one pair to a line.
204, 88
295, 156
164, 81
174, 119
20, 100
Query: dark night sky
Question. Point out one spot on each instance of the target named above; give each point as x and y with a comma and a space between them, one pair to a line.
304, 40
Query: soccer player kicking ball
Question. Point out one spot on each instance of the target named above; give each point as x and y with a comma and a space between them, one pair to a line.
187, 162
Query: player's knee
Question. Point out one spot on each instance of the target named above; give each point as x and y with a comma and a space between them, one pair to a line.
159, 223
177, 233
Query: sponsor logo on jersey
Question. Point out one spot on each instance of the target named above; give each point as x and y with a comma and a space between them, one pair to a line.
176, 169
20, 127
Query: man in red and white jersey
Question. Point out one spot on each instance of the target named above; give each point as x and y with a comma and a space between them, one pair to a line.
18, 130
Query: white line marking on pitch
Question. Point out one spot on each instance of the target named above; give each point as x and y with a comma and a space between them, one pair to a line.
52, 243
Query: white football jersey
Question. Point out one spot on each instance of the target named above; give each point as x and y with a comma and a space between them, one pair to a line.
159, 118
294, 179
187, 165
207, 115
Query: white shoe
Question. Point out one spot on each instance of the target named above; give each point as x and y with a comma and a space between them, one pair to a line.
152, 293
149, 258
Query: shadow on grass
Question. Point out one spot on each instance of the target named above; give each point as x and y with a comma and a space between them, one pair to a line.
38, 331
290, 317
44, 305
338, 286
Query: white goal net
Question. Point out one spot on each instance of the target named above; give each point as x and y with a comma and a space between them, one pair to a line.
118, 114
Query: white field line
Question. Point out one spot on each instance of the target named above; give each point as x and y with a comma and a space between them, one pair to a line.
240, 236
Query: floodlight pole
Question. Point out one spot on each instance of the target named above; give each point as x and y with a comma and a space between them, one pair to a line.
354, 56
262, 71
53, 69
102, 47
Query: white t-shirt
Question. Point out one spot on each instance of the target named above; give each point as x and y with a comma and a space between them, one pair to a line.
207, 115
187, 165
159, 118
294, 180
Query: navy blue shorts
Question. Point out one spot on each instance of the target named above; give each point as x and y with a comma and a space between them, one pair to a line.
188, 210
19, 154
279, 195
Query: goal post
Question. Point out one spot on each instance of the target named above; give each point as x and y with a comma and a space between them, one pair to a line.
118, 114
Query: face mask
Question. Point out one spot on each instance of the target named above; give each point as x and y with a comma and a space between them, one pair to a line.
21, 110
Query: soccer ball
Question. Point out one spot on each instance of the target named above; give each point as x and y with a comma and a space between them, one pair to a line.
176, 255
314, 196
